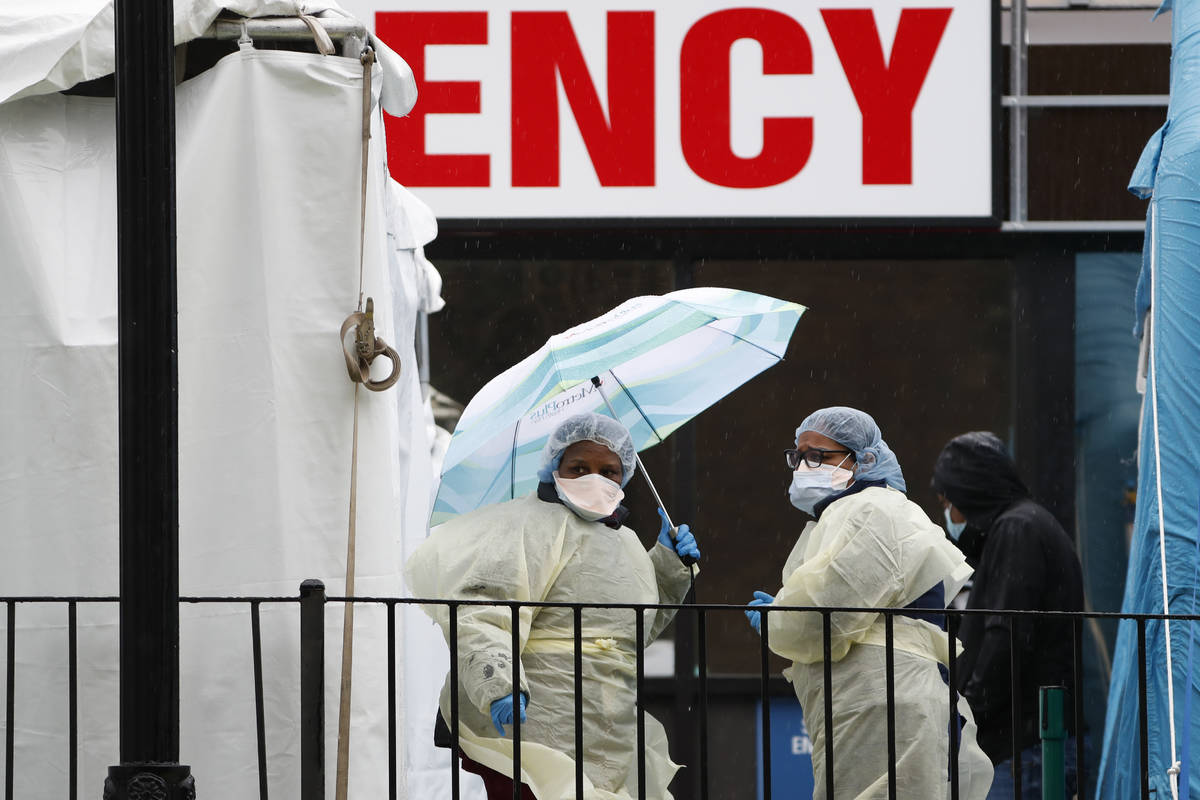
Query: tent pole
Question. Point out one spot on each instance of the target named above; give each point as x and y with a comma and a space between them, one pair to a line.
148, 409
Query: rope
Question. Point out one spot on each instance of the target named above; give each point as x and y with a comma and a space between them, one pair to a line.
1173, 770
366, 344
343, 746
368, 60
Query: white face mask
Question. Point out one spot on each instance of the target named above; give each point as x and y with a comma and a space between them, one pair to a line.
955, 529
591, 497
811, 485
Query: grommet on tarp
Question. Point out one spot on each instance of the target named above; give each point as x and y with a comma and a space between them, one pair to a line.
364, 349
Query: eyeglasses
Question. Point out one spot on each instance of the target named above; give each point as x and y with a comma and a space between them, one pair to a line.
813, 457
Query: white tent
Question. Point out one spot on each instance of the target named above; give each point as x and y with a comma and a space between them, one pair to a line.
268, 192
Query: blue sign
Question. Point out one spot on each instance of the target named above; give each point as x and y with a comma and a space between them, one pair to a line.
791, 751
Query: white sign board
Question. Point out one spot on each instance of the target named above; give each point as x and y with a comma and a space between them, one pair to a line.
878, 109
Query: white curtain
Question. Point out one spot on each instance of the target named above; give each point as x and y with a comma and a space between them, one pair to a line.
268, 155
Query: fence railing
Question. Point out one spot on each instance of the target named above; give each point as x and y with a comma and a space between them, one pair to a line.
312, 601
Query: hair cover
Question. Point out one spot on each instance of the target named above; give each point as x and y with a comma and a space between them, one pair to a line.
592, 428
855, 430
975, 473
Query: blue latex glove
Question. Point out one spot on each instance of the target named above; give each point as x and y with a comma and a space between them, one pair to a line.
502, 711
760, 599
684, 543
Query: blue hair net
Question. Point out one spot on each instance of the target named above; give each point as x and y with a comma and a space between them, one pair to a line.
856, 431
592, 428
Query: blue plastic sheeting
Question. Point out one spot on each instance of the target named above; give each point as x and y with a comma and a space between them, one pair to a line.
1172, 242
1107, 407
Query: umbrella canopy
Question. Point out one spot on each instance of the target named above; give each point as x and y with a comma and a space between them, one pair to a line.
661, 361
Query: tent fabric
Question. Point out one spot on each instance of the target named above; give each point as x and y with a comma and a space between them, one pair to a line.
1171, 243
268, 158
47, 46
1107, 412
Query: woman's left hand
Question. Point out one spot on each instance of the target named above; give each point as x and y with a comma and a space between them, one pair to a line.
755, 617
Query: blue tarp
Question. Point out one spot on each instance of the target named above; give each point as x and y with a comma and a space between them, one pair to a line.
1169, 173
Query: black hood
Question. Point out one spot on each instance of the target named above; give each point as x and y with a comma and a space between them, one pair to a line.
975, 473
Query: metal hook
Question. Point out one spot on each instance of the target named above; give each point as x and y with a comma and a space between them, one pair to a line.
367, 346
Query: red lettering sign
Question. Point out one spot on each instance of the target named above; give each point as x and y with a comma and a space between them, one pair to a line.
409, 33
530, 75
704, 98
887, 93
544, 49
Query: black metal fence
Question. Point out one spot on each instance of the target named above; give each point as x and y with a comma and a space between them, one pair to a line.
312, 601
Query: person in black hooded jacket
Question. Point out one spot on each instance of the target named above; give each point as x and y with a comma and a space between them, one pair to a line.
1023, 560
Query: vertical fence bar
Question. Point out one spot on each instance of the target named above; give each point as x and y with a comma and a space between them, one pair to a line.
516, 688
577, 615
1077, 702
9, 699
702, 668
393, 775
889, 636
640, 632
454, 777
73, 700
765, 676
1143, 711
1017, 701
827, 663
952, 677
312, 690
259, 717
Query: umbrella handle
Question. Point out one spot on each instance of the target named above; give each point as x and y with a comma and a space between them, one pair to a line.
688, 561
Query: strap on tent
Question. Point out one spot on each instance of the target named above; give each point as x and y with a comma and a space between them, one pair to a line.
358, 364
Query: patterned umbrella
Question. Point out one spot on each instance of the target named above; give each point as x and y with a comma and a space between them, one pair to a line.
661, 360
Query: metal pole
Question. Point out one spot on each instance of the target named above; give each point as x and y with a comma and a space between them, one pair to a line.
1018, 191
148, 415
312, 690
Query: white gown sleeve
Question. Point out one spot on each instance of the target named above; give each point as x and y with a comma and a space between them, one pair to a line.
857, 565
488, 556
673, 579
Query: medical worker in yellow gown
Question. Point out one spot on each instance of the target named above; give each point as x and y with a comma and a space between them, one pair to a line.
870, 547
563, 543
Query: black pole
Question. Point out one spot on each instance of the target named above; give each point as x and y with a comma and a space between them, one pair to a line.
148, 414
312, 690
